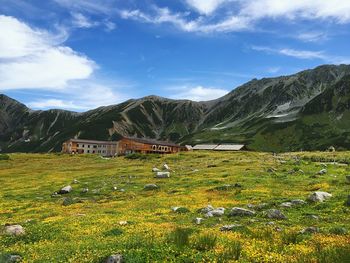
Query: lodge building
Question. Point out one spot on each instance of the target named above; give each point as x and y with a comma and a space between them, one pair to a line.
126, 145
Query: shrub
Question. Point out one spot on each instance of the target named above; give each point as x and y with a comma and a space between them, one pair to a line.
4, 157
337, 230
206, 242
180, 237
233, 251
290, 237
114, 232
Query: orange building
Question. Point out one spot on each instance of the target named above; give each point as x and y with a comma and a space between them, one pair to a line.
126, 145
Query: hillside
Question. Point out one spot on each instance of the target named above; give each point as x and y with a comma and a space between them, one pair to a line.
109, 210
307, 110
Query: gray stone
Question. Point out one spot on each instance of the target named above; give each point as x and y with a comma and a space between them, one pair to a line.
75, 181
207, 209
85, 190
198, 220
323, 171
13, 259
258, 206
314, 217
14, 230
310, 230
117, 258
155, 169
150, 187
286, 205
162, 175
275, 214
319, 196
298, 202
217, 212
237, 211
166, 167
65, 190
230, 227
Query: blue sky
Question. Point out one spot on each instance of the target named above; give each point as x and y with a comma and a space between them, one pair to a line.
82, 54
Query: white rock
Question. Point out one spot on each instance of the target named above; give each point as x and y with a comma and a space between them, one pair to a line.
166, 167
319, 196
155, 169
115, 259
198, 220
65, 190
14, 230
162, 175
123, 223
238, 211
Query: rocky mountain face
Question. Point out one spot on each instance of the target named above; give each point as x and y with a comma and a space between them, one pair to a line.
309, 110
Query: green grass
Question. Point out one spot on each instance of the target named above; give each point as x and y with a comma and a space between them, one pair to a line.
87, 229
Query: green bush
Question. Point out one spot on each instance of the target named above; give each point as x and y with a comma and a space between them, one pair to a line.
338, 230
4, 157
180, 237
233, 251
206, 242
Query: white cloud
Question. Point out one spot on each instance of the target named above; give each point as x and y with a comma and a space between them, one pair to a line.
35, 59
199, 93
205, 6
81, 21
312, 36
304, 54
90, 6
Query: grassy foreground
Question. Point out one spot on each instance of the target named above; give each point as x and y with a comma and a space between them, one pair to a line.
89, 228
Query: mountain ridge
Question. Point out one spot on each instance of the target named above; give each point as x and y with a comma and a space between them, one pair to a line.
269, 114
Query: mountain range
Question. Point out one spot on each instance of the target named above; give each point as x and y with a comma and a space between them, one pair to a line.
309, 110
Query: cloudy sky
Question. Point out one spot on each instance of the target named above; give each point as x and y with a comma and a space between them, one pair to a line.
82, 54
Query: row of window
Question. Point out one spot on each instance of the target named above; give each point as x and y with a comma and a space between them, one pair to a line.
94, 146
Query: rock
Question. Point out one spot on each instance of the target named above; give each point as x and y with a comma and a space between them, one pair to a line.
67, 201
331, 149
85, 190
230, 228
216, 212
123, 223
237, 211
13, 259
198, 220
271, 223
149, 187
275, 214
14, 230
314, 217
310, 230
323, 171
257, 207
319, 196
117, 258
298, 202
207, 209
162, 175
122, 190
286, 205
155, 169
75, 181
180, 210
166, 167
65, 190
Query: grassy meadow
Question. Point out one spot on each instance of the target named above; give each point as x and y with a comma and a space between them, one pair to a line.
90, 227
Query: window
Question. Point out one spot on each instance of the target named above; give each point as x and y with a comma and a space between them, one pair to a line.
77, 144
95, 146
88, 145
93, 151
88, 151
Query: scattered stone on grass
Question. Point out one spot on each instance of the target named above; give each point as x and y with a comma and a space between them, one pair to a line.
13, 259
149, 187
322, 172
65, 190
162, 175
230, 227
319, 196
310, 230
85, 190
198, 220
14, 230
75, 181
117, 258
123, 223
166, 167
155, 169
238, 211
275, 214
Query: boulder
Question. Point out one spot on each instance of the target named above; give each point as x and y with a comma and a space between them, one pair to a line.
323, 171
230, 228
310, 230
149, 187
237, 211
298, 202
166, 167
275, 214
65, 190
13, 259
14, 230
217, 212
155, 169
117, 258
319, 196
162, 175
198, 220
207, 209
286, 205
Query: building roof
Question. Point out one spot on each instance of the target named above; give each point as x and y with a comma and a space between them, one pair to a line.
229, 147
92, 141
205, 147
151, 141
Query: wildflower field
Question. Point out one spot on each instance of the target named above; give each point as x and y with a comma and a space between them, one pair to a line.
109, 211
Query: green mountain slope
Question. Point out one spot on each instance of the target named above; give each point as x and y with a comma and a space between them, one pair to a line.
308, 110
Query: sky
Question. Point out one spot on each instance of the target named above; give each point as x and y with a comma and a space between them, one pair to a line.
82, 54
